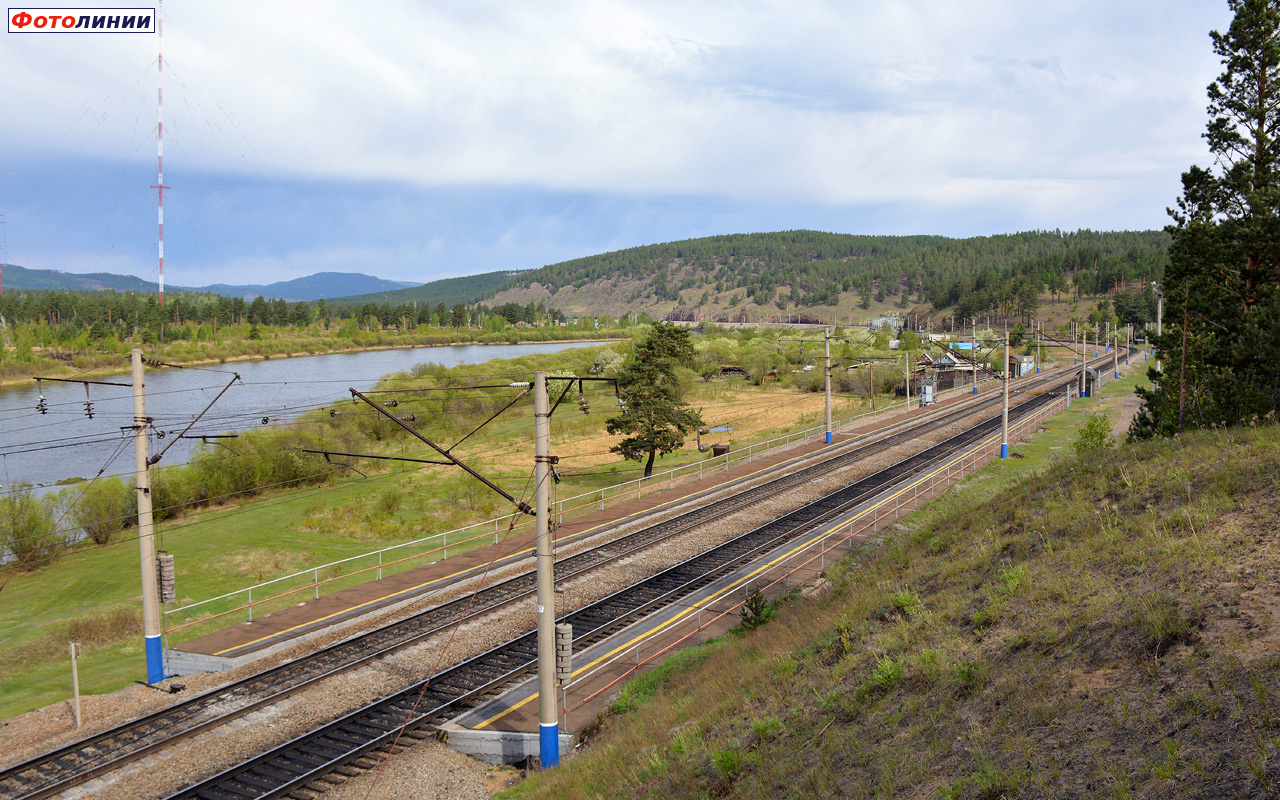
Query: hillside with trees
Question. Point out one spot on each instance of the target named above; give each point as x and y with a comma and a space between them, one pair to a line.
751, 277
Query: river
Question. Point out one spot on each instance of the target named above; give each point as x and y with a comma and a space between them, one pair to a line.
63, 443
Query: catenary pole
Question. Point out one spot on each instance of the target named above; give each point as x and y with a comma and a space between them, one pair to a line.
548, 719
1004, 412
974, 353
146, 541
827, 371
1115, 354
1084, 362
906, 359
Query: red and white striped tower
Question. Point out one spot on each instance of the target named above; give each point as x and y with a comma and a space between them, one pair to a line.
159, 185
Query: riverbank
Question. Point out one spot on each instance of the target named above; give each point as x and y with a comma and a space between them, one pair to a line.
46, 364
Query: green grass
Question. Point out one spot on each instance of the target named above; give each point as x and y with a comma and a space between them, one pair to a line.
1096, 627
282, 532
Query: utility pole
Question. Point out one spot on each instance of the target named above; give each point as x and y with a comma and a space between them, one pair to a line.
1004, 413
827, 371
974, 353
1115, 354
146, 541
871, 384
548, 719
906, 357
1084, 362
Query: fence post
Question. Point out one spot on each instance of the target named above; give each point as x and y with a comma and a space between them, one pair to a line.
316, 573
251, 604
602, 499
379, 565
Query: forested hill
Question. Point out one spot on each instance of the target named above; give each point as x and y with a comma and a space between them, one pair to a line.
467, 289
752, 275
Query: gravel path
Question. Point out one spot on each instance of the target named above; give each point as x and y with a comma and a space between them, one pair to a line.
428, 769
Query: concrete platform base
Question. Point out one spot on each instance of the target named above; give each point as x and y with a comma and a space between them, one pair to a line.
179, 662
498, 747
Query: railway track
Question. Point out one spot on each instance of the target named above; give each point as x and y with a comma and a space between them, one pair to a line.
60, 769
296, 764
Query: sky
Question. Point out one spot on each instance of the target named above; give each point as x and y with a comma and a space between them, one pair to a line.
416, 141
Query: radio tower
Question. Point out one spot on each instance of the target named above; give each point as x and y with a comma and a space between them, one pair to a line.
159, 185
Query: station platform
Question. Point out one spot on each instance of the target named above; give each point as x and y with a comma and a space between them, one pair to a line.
246, 642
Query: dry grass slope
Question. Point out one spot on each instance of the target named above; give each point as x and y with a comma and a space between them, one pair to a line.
1105, 629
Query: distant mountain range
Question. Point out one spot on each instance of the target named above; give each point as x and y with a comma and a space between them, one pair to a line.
312, 287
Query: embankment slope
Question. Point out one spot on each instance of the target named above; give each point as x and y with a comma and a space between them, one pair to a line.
1106, 628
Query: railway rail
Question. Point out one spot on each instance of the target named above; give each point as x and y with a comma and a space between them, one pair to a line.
60, 769
301, 762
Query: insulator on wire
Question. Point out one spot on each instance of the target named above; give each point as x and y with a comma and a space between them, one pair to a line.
390, 403
88, 409
266, 420
333, 412
42, 406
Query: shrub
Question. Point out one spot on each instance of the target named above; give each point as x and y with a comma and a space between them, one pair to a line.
756, 610
106, 507
1095, 436
27, 527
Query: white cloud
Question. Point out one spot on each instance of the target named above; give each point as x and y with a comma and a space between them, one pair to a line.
340, 135
842, 103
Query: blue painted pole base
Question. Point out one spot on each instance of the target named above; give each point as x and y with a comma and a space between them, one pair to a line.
828, 437
1004, 450
1117, 375
548, 744
155, 659
975, 390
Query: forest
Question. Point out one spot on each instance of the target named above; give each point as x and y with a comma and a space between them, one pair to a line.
986, 274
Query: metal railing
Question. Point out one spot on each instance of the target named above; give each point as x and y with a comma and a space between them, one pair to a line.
689, 624
312, 582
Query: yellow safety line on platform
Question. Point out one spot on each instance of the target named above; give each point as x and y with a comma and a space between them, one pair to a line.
527, 551
790, 553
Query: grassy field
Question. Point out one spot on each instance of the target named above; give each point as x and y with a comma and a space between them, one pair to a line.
91, 594
1098, 624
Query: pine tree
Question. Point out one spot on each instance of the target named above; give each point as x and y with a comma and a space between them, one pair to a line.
654, 416
1221, 347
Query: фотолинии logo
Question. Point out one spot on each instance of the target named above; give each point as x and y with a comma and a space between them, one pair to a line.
82, 20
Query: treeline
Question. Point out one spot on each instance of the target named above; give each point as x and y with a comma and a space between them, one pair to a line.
103, 319
972, 276
105, 313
